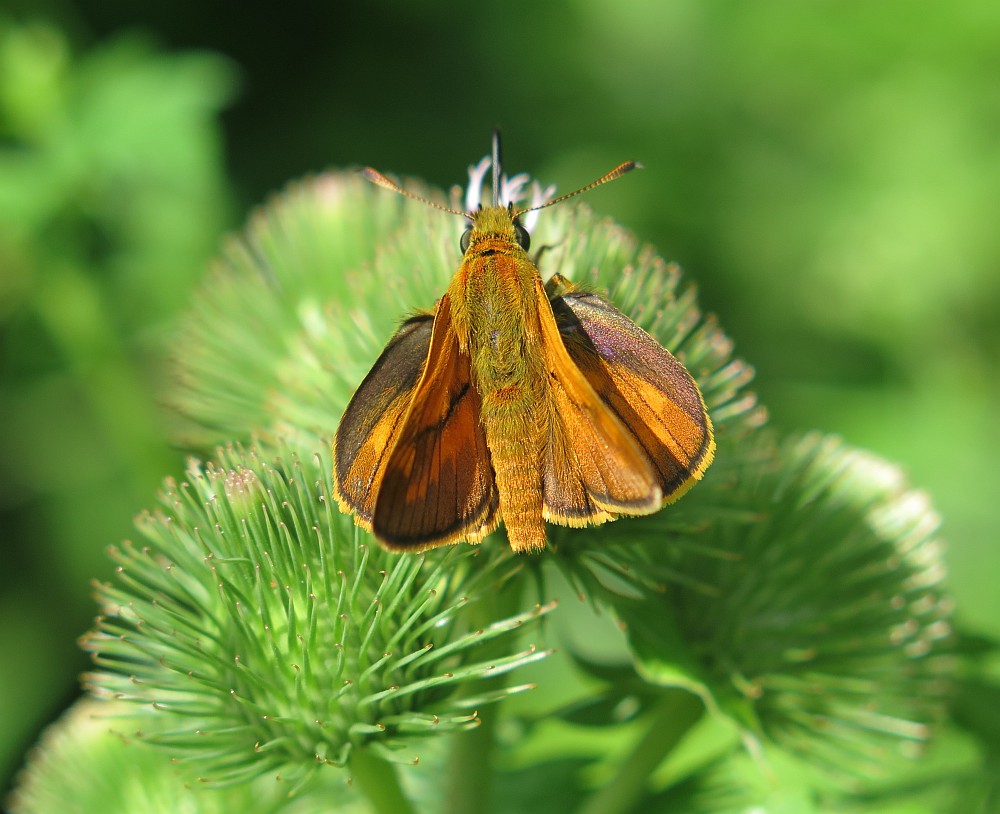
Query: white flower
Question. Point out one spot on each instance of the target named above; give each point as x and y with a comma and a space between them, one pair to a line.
512, 191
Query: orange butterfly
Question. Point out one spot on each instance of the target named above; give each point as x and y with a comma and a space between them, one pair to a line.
515, 401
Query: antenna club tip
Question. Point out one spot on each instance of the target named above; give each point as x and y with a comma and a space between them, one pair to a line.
371, 174
624, 168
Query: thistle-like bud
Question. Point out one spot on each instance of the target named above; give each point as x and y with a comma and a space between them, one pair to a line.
813, 611
266, 634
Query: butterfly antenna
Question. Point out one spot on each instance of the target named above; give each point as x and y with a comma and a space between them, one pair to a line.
617, 172
380, 180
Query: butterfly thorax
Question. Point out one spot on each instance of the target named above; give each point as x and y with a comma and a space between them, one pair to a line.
495, 308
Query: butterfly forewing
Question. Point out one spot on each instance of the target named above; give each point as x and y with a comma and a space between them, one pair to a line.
437, 485
642, 384
594, 468
372, 421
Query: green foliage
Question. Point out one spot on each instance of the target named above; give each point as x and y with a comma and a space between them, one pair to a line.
111, 202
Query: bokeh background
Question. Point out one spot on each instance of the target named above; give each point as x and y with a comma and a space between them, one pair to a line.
828, 172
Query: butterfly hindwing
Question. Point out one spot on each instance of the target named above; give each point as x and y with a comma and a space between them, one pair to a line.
642, 384
593, 467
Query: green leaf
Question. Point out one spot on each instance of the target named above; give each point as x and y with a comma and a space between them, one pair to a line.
662, 656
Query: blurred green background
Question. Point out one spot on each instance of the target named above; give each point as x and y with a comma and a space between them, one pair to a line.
828, 173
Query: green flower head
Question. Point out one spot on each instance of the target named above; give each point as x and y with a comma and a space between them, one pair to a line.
275, 637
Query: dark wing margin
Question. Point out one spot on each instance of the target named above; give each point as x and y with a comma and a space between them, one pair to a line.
642, 383
372, 420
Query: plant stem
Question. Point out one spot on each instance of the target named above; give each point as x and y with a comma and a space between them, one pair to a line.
470, 768
378, 781
671, 720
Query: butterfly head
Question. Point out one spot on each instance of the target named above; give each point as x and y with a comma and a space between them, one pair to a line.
494, 228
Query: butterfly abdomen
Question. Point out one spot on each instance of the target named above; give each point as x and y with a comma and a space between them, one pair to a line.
510, 377
514, 434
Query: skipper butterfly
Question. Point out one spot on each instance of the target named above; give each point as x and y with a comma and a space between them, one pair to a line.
515, 400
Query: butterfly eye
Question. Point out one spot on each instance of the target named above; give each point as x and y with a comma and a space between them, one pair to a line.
463, 244
522, 236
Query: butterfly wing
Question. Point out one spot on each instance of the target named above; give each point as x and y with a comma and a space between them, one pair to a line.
593, 468
374, 416
437, 486
643, 385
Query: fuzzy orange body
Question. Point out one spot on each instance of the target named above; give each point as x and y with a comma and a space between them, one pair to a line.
496, 318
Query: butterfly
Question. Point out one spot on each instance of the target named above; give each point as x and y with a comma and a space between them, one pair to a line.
515, 400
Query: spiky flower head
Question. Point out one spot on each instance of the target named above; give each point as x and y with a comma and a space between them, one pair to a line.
82, 764
810, 610
273, 637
